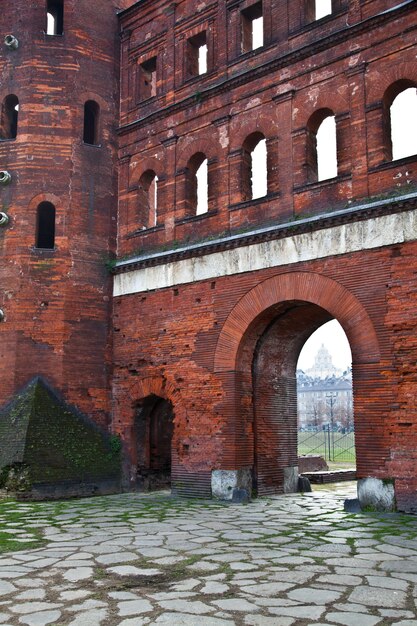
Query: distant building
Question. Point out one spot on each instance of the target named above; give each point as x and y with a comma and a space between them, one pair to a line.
324, 395
323, 365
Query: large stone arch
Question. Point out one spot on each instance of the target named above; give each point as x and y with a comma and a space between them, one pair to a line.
266, 330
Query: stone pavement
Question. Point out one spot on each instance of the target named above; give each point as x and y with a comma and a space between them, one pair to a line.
134, 560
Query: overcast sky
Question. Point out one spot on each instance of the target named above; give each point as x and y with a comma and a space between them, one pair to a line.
333, 337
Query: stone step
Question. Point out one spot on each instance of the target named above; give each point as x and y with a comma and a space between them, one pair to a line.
335, 476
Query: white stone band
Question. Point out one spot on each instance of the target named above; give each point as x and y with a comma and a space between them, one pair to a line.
352, 237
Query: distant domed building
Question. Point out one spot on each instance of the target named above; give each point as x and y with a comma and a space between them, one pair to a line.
324, 394
323, 365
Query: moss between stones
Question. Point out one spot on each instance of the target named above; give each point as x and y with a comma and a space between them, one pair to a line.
41, 432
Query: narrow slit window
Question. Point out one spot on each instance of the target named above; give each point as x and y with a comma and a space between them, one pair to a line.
403, 116
91, 120
252, 28
45, 226
254, 181
197, 55
9, 117
153, 202
55, 17
147, 79
202, 59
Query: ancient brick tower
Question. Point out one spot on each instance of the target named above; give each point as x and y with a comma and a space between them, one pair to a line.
59, 99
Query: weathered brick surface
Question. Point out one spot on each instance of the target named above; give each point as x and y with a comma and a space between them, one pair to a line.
224, 351
57, 302
275, 90
173, 338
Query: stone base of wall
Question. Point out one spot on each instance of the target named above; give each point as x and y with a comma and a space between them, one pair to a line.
231, 484
376, 495
291, 479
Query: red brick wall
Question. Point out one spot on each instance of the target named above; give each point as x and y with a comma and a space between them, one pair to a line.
199, 341
169, 342
165, 341
302, 69
402, 425
57, 302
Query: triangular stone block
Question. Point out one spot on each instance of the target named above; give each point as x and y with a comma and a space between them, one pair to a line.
63, 452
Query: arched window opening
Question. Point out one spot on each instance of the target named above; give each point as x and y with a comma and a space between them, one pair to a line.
252, 28
326, 149
255, 167
321, 146
91, 121
9, 117
55, 17
325, 399
197, 185
403, 118
45, 226
148, 199
202, 188
153, 201
259, 171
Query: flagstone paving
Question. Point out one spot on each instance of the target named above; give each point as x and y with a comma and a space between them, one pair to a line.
144, 559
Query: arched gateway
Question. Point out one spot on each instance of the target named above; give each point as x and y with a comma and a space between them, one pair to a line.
256, 356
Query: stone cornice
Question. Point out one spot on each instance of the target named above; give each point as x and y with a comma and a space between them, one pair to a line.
279, 231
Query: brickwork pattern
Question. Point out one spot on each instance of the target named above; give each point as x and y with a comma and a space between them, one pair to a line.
222, 352
56, 302
175, 336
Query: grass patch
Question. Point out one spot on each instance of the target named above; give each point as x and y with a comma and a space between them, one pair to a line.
9, 544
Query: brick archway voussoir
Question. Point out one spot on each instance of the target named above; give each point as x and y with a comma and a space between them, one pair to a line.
156, 386
301, 286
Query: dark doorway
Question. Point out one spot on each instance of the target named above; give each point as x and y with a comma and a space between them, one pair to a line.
154, 427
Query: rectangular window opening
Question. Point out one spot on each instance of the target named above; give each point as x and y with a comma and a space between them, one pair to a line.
147, 79
252, 28
197, 54
323, 8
